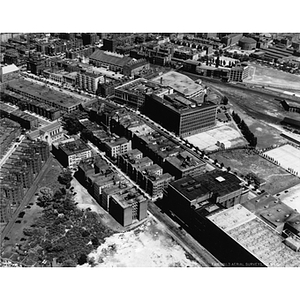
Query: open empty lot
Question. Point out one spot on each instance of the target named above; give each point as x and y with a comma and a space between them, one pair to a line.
287, 156
224, 134
274, 77
147, 246
244, 161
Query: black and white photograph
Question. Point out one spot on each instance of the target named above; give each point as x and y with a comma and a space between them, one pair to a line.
148, 147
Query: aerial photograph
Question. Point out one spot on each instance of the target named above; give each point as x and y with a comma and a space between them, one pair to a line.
145, 149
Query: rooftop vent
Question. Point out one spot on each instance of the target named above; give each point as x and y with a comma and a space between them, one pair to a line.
220, 179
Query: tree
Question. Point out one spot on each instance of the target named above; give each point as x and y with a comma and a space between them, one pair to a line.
225, 100
69, 263
71, 124
65, 177
82, 259
228, 169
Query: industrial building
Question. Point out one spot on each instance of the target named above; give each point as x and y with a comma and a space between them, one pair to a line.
216, 186
111, 60
133, 93
180, 115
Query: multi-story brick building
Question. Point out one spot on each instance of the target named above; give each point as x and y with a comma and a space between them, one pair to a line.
89, 81
70, 153
184, 164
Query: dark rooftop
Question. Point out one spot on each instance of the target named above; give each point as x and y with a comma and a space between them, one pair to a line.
217, 182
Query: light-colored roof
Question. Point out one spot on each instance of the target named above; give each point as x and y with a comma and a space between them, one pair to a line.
179, 82
9, 69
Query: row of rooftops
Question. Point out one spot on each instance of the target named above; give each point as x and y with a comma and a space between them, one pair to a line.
274, 211
16, 112
32, 101
26, 150
25, 87
122, 190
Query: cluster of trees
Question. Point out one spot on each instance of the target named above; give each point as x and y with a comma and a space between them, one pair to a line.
253, 179
63, 231
224, 100
249, 136
71, 124
65, 178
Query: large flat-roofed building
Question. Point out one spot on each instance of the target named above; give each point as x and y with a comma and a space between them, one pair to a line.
70, 153
277, 215
133, 93
182, 84
184, 164
45, 95
180, 115
136, 67
9, 72
237, 73
216, 186
113, 61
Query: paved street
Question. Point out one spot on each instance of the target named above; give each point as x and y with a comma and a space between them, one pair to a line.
11, 150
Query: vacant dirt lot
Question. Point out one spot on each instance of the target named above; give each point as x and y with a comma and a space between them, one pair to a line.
274, 77
245, 161
147, 246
